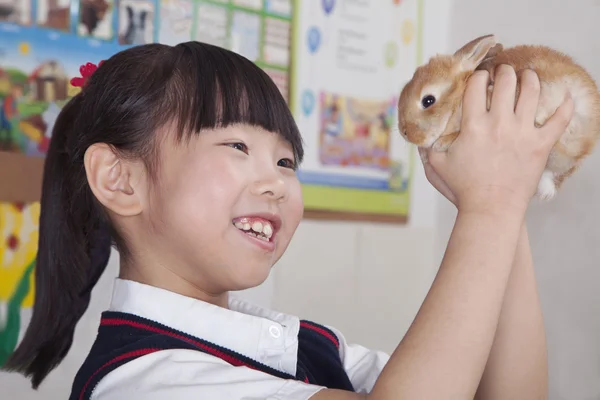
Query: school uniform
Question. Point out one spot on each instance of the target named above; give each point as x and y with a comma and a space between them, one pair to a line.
156, 344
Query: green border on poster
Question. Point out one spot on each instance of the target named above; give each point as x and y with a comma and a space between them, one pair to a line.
340, 199
231, 8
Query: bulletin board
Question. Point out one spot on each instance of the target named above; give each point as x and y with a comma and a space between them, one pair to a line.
42, 45
350, 62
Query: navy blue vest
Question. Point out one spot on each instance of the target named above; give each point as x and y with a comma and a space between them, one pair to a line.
124, 337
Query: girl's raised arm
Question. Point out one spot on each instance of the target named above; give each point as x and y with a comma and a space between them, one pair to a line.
493, 170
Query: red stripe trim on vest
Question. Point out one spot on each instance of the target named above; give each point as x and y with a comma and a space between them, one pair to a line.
321, 331
215, 352
135, 353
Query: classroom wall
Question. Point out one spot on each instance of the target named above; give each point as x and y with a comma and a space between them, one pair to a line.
565, 233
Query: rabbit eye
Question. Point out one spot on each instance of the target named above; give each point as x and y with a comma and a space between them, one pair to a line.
427, 101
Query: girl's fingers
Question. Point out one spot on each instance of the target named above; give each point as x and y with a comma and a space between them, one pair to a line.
558, 122
432, 177
438, 183
436, 158
529, 96
475, 97
505, 87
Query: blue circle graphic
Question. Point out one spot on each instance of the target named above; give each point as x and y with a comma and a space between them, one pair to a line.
314, 39
308, 102
328, 6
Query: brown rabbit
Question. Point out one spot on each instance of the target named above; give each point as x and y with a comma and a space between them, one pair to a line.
430, 104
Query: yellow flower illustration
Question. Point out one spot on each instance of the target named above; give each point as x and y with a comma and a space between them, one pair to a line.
18, 247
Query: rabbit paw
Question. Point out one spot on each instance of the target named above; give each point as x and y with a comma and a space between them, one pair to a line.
546, 189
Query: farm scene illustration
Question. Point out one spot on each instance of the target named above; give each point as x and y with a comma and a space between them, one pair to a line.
355, 132
30, 102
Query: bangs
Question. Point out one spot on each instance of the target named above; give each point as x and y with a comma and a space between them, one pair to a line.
213, 88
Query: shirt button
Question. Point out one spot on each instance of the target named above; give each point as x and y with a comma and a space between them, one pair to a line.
274, 331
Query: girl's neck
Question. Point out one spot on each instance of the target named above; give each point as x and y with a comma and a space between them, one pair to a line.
166, 279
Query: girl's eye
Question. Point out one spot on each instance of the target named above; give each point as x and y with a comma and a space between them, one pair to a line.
286, 163
239, 146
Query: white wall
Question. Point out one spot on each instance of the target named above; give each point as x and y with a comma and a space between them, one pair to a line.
564, 234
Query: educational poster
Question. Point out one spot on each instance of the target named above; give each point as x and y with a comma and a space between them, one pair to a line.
176, 19
96, 19
136, 22
351, 60
260, 30
35, 69
16, 11
54, 14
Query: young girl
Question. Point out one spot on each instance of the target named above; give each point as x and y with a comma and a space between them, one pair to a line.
184, 158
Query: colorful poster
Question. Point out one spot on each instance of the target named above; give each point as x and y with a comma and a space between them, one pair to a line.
176, 18
350, 61
19, 235
257, 29
38, 60
260, 30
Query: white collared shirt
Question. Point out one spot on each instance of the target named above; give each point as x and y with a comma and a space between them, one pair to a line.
264, 335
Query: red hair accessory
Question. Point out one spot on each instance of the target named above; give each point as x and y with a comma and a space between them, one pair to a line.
86, 70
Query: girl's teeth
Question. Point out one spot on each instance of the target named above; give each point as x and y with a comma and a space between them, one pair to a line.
267, 230
258, 236
257, 227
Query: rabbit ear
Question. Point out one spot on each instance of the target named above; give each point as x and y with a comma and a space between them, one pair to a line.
476, 51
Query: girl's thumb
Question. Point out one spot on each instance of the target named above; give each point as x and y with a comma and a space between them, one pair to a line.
558, 122
436, 158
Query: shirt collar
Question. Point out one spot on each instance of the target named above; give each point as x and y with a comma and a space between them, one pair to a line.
263, 335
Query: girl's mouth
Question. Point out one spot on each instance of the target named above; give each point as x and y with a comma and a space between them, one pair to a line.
259, 228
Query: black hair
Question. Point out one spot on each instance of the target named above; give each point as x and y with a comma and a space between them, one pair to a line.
193, 86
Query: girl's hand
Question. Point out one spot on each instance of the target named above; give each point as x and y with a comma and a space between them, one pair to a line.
497, 160
435, 179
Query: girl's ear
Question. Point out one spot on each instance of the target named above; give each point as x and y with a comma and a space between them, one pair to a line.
112, 180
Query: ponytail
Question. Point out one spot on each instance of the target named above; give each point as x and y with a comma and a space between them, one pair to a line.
73, 251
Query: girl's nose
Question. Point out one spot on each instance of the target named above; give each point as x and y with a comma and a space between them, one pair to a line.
272, 187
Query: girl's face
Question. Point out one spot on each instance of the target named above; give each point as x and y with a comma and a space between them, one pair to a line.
223, 210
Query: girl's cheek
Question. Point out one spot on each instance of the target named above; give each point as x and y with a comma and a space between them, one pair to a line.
295, 194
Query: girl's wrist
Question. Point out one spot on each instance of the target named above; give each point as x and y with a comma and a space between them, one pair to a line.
494, 203
497, 215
